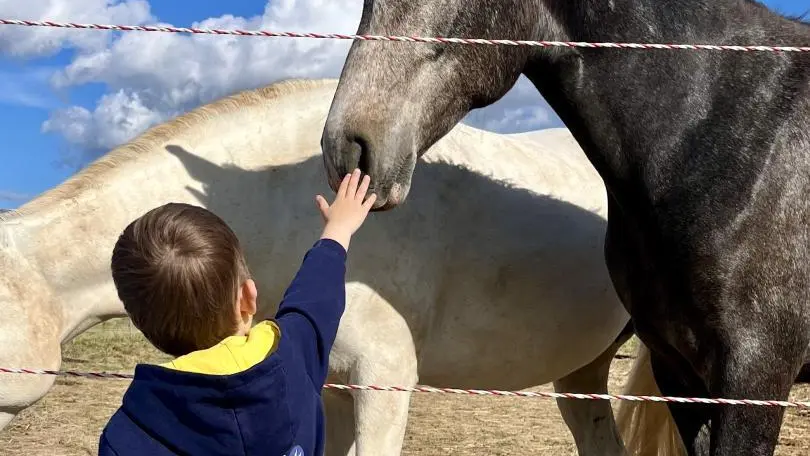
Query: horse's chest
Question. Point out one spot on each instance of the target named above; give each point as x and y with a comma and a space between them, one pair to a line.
650, 271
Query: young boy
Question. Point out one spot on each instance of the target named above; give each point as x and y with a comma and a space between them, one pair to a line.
232, 389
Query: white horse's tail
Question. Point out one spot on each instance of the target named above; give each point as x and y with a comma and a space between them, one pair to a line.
647, 428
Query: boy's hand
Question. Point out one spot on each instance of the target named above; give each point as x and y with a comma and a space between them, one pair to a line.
348, 211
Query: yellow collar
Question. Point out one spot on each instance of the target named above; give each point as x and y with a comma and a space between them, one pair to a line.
233, 354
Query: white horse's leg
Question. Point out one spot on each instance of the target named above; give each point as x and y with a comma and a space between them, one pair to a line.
20, 391
381, 417
365, 422
373, 347
6, 416
591, 422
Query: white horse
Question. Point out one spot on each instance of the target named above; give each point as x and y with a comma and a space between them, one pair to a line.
503, 288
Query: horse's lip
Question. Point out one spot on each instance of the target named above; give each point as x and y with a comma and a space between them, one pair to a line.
382, 204
389, 199
386, 206
396, 176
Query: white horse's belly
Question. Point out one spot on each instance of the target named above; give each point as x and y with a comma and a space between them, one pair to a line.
534, 326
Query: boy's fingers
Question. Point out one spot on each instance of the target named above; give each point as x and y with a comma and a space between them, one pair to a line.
344, 184
370, 201
361, 192
322, 204
353, 183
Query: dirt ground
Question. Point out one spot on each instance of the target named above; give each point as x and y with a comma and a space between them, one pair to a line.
69, 419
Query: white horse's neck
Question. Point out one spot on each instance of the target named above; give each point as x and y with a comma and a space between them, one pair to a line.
99, 202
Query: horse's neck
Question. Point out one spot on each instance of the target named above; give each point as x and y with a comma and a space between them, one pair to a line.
70, 241
596, 95
691, 21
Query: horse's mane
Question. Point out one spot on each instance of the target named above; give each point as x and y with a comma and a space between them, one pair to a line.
158, 134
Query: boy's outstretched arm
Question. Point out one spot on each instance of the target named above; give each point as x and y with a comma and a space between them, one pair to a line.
310, 312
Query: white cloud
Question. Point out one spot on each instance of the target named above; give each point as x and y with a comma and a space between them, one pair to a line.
38, 42
153, 76
176, 70
117, 118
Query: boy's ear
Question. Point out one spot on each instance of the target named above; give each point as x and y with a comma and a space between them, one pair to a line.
248, 296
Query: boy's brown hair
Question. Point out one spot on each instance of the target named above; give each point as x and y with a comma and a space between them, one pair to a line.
178, 270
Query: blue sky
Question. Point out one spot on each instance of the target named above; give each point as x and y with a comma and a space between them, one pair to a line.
33, 161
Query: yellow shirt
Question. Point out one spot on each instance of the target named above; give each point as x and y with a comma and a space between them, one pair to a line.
234, 354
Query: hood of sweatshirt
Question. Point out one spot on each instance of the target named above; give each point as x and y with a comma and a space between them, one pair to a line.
239, 414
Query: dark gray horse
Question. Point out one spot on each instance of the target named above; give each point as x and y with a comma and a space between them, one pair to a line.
705, 154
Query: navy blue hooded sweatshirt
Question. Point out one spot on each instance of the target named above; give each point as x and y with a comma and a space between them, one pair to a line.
272, 409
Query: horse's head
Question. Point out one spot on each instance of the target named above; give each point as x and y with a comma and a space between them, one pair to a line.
395, 100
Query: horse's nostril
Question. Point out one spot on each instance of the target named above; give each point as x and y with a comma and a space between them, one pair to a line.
359, 154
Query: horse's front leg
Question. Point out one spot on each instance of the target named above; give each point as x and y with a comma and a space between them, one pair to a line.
20, 391
381, 417
591, 422
749, 358
373, 347
754, 369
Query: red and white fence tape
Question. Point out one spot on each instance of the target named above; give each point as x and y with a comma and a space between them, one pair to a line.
413, 39
469, 392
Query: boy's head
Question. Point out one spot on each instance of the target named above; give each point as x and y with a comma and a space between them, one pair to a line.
183, 279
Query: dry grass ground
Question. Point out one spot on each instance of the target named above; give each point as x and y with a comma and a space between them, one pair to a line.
68, 420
